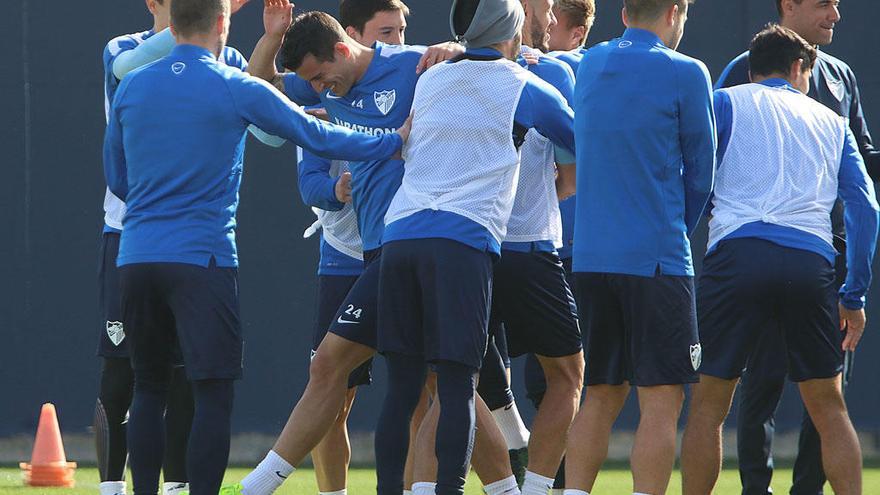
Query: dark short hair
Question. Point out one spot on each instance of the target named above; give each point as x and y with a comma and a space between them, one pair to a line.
357, 13
774, 49
190, 17
577, 12
646, 10
779, 5
313, 33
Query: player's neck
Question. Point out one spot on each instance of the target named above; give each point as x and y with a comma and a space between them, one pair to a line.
363, 57
210, 43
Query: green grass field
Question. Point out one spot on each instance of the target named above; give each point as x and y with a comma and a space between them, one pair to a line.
363, 481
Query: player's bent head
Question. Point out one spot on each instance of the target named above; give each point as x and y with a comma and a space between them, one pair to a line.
194, 18
665, 17
489, 23
574, 19
313, 34
368, 21
779, 51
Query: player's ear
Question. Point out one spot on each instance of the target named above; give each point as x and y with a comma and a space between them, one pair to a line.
151, 6
672, 15
342, 49
353, 33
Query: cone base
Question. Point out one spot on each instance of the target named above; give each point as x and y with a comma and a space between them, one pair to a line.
58, 474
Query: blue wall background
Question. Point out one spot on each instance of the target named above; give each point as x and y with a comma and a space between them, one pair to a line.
51, 101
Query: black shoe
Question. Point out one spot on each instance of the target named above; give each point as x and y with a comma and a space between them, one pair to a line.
519, 459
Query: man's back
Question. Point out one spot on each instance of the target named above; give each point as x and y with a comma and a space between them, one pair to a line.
644, 123
180, 129
782, 154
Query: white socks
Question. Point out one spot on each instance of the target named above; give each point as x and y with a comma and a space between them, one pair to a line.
512, 427
174, 487
111, 488
269, 474
407, 492
560, 491
337, 492
424, 488
569, 491
535, 484
507, 486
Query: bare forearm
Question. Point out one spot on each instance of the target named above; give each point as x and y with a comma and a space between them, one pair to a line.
262, 62
566, 181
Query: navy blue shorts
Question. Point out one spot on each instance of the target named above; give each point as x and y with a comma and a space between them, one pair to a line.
166, 304
111, 333
532, 298
751, 286
641, 330
435, 300
332, 291
499, 337
355, 319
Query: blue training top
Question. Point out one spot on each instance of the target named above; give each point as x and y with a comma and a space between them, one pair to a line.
377, 104
645, 156
174, 146
860, 212
121, 44
541, 107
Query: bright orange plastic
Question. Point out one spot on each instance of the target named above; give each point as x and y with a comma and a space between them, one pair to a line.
48, 466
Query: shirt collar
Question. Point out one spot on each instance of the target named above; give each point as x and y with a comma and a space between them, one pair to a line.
486, 51
777, 82
637, 35
191, 52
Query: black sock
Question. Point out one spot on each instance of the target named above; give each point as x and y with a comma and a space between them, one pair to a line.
406, 378
178, 419
146, 428
455, 430
117, 382
493, 386
208, 451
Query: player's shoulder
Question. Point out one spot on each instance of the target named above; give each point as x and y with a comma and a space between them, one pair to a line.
571, 57
234, 58
689, 68
551, 70
399, 56
827, 62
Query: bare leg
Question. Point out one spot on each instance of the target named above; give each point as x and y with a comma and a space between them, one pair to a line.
701, 446
323, 398
653, 454
841, 452
565, 379
332, 456
590, 434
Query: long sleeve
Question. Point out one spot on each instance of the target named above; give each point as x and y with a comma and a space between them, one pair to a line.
736, 72
152, 49
861, 223
859, 127
316, 186
698, 139
260, 104
544, 108
115, 172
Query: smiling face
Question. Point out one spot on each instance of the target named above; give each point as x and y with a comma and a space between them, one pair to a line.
387, 26
540, 19
814, 20
336, 75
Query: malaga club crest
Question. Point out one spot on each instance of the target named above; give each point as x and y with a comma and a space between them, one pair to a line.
384, 100
696, 356
115, 332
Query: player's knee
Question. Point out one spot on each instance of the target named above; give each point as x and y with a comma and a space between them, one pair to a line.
565, 374
324, 370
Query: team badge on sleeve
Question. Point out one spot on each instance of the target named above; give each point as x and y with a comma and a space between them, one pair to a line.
836, 87
115, 332
696, 356
384, 100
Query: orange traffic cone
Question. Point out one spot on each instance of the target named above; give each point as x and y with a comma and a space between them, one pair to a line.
49, 466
